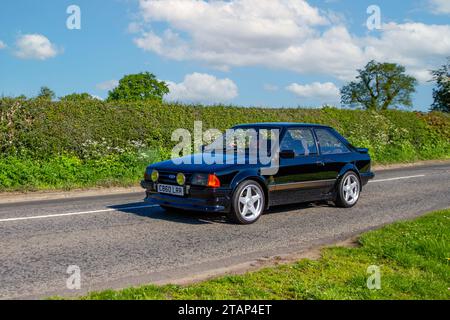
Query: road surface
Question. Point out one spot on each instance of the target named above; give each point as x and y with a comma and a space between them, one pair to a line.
118, 241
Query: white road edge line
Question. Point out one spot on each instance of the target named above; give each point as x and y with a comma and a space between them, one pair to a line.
74, 213
398, 178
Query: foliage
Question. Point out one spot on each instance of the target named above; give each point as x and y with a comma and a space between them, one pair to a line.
412, 257
69, 171
74, 97
380, 86
441, 93
46, 94
38, 134
137, 87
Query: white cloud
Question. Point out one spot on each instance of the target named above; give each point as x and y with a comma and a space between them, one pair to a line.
440, 6
270, 87
97, 97
202, 88
134, 27
226, 33
2, 45
35, 46
283, 34
419, 47
107, 85
325, 92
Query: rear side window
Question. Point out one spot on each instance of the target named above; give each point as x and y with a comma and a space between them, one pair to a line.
329, 143
301, 141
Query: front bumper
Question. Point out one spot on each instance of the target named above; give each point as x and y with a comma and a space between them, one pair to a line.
196, 198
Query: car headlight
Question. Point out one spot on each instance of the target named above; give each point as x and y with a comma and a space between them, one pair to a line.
155, 175
181, 179
199, 179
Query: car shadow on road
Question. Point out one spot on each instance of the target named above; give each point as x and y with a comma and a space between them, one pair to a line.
198, 218
173, 215
297, 207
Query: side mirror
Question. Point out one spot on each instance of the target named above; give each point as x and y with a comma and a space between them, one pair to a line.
287, 154
362, 150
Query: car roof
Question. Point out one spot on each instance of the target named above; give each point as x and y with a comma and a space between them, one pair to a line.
280, 125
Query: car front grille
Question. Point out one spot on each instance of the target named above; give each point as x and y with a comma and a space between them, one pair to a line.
167, 177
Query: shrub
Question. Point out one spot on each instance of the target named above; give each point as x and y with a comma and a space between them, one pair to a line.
46, 144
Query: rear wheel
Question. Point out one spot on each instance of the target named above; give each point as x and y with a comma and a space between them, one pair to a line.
248, 203
348, 190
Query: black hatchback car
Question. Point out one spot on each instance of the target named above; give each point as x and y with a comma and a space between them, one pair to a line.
313, 162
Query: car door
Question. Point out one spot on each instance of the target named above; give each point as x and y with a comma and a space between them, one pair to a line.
334, 153
298, 176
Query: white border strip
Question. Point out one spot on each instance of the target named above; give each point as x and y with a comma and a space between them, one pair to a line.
74, 213
398, 178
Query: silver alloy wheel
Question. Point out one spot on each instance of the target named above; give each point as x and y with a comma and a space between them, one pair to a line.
251, 202
351, 189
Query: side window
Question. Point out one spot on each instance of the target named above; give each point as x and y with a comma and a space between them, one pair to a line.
329, 144
301, 141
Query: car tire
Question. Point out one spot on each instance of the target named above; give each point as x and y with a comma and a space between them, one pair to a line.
348, 190
248, 203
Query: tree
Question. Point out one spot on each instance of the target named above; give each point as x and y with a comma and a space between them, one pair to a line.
46, 94
441, 93
74, 97
380, 86
141, 86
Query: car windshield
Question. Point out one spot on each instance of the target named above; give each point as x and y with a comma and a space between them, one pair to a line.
244, 139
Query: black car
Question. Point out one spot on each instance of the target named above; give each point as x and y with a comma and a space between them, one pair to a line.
314, 163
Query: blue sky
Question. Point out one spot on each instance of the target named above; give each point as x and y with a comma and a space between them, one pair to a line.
245, 52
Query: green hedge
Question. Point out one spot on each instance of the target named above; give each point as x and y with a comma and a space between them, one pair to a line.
66, 144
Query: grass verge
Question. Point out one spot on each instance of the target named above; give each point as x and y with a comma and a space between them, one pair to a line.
412, 257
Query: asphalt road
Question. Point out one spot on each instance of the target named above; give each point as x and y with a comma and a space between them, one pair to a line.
118, 241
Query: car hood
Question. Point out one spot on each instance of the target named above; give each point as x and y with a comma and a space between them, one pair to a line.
202, 163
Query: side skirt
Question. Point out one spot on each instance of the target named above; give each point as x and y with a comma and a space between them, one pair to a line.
299, 192
318, 184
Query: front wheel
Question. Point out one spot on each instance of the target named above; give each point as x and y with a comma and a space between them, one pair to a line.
248, 203
348, 190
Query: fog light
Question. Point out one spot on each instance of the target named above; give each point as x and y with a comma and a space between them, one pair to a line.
155, 175
181, 179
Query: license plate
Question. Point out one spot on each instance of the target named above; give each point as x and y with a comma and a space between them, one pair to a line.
173, 190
